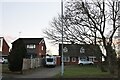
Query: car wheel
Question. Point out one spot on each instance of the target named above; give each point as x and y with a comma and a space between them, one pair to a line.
91, 64
3, 62
81, 64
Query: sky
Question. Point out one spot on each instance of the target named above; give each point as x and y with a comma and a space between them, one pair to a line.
28, 19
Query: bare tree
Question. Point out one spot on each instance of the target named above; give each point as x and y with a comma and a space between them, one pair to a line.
72, 32
99, 19
87, 21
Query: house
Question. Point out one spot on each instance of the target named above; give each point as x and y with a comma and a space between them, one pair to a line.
4, 47
116, 42
74, 52
35, 47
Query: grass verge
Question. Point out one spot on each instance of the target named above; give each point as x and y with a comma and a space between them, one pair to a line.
84, 72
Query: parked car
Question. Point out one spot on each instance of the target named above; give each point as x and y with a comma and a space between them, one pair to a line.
3, 60
50, 61
85, 62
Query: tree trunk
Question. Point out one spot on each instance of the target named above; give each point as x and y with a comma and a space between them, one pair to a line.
111, 59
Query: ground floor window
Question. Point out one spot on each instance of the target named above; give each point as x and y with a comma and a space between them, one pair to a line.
89, 58
92, 58
66, 59
82, 58
73, 59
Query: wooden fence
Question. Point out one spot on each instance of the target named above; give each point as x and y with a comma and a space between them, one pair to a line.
32, 63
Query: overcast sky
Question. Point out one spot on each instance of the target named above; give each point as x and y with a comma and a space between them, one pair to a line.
27, 18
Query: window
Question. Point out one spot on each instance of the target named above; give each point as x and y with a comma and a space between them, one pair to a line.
92, 58
66, 59
42, 48
65, 49
82, 58
73, 59
31, 46
82, 50
39, 53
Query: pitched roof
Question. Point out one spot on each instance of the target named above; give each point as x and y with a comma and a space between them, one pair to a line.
1, 37
80, 50
4, 41
30, 40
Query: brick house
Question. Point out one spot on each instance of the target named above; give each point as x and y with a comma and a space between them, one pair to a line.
74, 52
4, 47
35, 47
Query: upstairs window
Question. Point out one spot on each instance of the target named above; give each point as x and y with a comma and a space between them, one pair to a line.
82, 50
31, 46
42, 48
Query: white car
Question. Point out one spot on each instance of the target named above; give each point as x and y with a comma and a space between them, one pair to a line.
3, 60
84, 62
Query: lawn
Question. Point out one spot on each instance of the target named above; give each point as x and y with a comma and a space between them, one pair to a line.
84, 72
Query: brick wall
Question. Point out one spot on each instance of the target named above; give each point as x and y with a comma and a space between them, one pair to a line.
5, 48
41, 50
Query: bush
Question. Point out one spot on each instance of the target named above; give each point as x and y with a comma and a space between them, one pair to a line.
15, 63
15, 59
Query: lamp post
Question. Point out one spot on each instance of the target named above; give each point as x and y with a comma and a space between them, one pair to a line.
62, 66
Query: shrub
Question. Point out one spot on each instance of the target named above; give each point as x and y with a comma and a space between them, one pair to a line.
16, 56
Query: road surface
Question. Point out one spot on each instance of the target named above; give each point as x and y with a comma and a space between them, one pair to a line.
42, 72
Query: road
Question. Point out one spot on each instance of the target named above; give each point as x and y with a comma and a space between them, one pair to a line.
42, 72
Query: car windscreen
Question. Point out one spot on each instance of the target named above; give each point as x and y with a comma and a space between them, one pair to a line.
49, 59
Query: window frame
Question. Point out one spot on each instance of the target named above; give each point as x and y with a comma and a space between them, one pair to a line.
92, 58
74, 59
31, 46
66, 59
42, 48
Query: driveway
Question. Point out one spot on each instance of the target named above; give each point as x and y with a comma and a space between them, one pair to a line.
42, 72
